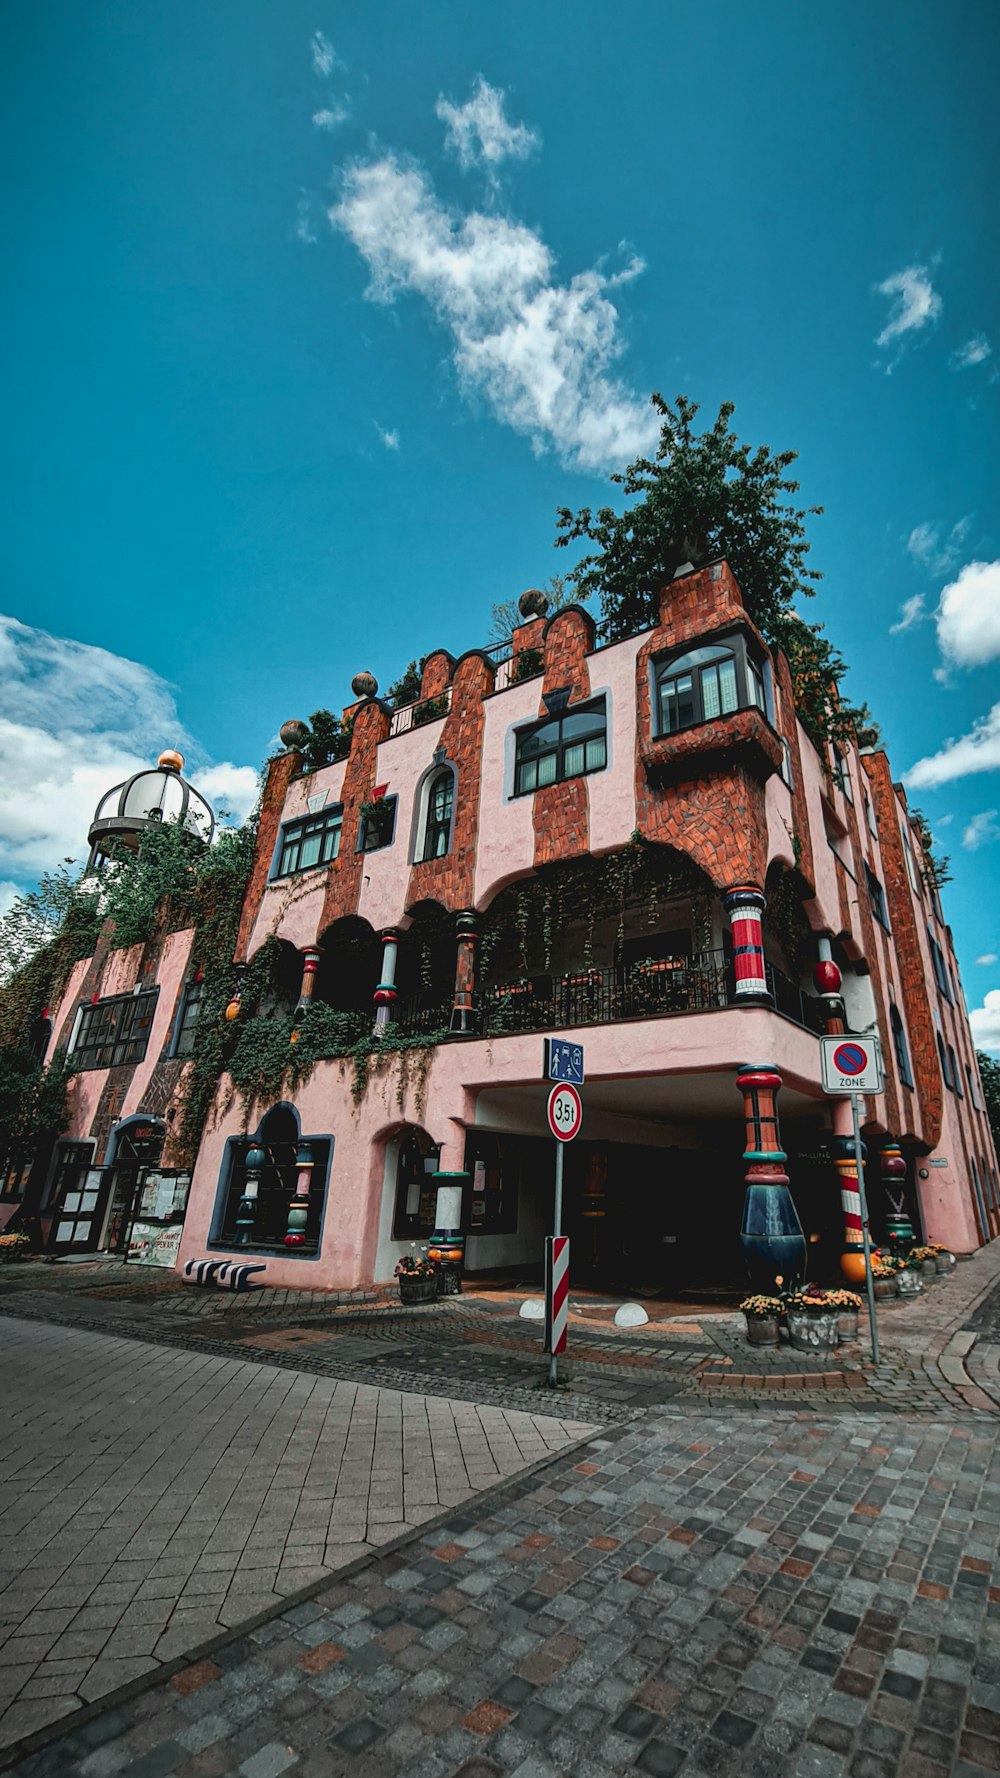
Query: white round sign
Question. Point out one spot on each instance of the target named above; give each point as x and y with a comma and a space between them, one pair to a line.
565, 1113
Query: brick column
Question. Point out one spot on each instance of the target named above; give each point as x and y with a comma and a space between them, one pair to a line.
462, 1016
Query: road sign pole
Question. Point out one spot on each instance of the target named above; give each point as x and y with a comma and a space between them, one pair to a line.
557, 1230
866, 1237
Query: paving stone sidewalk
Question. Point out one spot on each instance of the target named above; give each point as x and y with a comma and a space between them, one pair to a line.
152, 1498
693, 1594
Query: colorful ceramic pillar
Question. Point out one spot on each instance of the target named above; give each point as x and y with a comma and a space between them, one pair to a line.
827, 982
386, 994
892, 1169
298, 1212
745, 906
253, 1166
447, 1244
310, 964
771, 1236
462, 1016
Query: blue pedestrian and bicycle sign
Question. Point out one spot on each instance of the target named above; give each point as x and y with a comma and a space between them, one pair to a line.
564, 1061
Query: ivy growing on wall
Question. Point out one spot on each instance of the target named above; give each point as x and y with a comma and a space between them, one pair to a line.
271, 1052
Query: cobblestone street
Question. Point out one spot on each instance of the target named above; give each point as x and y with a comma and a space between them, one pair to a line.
688, 1588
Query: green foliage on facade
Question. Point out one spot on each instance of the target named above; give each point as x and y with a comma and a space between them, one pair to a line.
989, 1071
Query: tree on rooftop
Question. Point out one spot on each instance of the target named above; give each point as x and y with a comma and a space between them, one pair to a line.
707, 494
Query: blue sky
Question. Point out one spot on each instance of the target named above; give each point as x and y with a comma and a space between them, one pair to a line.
314, 317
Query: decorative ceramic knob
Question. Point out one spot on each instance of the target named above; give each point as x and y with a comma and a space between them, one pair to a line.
364, 685
170, 760
293, 733
827, 977
533, 603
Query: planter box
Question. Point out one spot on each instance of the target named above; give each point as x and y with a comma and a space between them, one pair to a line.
812, 1333
928, 1268
884, 1288
417, 1289
847, 1324
944, 1261
909, 1282
760, 1331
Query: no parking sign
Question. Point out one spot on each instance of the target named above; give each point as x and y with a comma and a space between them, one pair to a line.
851, 1065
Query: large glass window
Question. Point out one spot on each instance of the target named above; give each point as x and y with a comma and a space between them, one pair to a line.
567, 747
876, 896
940, 969
187, 1018
114, 1030
696, 686
440, 803
312, 841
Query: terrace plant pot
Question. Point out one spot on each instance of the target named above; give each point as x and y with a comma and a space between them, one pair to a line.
944, 1261
812, 1332
884, 1288
415, 1287
762, 1331
928, 1268
847, 1324
909, 1282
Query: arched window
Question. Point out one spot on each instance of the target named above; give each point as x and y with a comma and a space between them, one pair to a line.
281, 1144
900, 1047
416, 1194
440, 806
696, 686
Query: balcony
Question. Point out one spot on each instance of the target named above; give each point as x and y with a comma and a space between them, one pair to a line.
651, 990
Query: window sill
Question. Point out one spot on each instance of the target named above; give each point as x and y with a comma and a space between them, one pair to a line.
743, 737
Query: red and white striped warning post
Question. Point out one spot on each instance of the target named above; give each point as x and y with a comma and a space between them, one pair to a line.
556, 1297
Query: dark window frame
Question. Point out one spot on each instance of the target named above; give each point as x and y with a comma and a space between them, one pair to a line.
749, 674
900, 1046
561, 746
106, 1034
188, 1013
275, 1192
876, 897
376, 832
327, 823
943, 1059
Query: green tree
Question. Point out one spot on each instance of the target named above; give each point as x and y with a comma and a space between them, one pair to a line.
989, 1069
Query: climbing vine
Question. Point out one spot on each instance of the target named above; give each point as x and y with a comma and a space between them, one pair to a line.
272, 1051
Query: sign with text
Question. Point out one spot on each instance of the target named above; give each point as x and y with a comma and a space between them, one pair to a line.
851, 1065
564, 1061
565, 1113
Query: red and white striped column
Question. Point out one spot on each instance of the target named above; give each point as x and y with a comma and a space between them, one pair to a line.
745, 906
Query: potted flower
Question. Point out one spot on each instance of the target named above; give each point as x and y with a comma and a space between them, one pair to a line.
908, 1279
14, 1247
418, 1278
944, 1259
763, 1314
885, 1271
848, 1307
812, 1319
923, 1258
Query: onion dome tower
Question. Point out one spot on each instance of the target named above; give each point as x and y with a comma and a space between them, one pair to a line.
147, 799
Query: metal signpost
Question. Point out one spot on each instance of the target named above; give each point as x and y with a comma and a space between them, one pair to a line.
564, 1064
852, 1066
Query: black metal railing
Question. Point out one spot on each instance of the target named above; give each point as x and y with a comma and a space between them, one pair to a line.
417, 1015
648, 990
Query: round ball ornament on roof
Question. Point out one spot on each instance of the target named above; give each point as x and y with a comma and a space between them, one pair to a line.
148, 799
294, 734
364, 685
532, 603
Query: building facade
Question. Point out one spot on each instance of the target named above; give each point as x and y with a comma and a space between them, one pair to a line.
630, 840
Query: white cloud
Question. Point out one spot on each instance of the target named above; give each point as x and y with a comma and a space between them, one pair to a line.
321, 50
985, 1022
968, 616
76, 720
988, 960
305, 225
539, 351
982, 830
9, 893
936, 549
978, 751
911, 612
915, 304
479, 131
229, 787
389, 439
333, 115
975, 351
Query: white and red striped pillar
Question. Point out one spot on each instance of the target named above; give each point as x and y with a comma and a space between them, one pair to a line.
745, 906
827, 982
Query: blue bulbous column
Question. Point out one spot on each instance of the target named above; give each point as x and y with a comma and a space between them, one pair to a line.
253, 1166
771, 1234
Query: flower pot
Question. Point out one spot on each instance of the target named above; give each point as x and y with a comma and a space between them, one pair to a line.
909, 1282
928, 1268
944, 1261
847, 1324
417, 1289
761, 1331
812, 1332
884, 1288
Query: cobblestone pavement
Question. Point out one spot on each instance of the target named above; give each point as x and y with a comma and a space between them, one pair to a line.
691, 1594
153, 1498
476, 1349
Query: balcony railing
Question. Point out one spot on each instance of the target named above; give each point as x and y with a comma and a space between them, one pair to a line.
643, 991
421, 711
417, 1015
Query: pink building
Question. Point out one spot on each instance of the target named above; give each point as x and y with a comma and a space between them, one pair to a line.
629, 842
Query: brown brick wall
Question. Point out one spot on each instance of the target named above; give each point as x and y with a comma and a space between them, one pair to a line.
280, 772
561, 812
800, 809
451, 880
343, 882
913, 991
